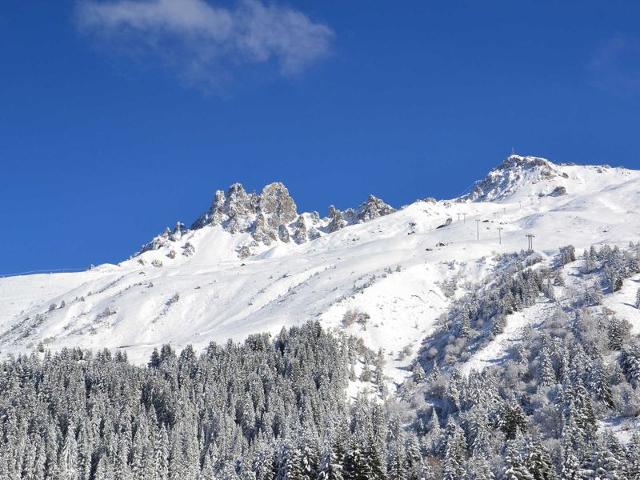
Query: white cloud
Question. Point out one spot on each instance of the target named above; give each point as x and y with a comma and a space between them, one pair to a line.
204, 42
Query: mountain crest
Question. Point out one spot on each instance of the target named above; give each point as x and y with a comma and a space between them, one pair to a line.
236, 209
271, 216
512, 175
373, 208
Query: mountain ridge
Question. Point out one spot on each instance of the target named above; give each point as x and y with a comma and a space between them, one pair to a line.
392, 271
271, 216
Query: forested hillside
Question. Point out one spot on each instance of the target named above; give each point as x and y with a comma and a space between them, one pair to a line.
424, 342
275, 408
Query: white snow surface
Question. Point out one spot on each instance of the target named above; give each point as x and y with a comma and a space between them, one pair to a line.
390, 268
497, 350
623, 303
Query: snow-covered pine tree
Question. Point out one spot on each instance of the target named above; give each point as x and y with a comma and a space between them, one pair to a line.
547, 372
630, 363
511, 418
633, 456
331, 460
567, 255
515, 468
539, 462
454, 453
616, 332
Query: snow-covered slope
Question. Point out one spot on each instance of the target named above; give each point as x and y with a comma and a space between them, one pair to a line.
251, 263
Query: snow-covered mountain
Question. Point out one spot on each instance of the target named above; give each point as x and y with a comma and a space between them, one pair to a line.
268, 217
253, 263
520, 175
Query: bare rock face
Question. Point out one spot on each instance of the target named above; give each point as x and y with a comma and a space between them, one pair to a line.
244, 251
270, 216
275, 211
262, 215
337, 220
373, 208
283, 234
266, 216
300, 230
262, 233
231, 210
558, 191
276, 205
239, 206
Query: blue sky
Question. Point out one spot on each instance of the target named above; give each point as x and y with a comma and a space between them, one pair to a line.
119, 118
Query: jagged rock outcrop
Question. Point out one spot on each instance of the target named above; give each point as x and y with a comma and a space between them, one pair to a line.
446, 223
235, 210
558, 191
271, 216
276, 205
373, 208
370, 210
336, 220
300, 234
283, 234
165, 238
265, 215
261, 232
510, 176
244, 251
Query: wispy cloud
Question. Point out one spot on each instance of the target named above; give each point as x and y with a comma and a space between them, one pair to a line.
615, 65
205, 43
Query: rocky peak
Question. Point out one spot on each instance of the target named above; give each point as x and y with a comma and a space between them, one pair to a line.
373, 208
511, 176
276, 205
369, 210
232, 210
237, 210
336, 220
514, 162
266, 215
271, 216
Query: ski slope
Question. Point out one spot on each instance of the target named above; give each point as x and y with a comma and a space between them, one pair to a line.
391, 268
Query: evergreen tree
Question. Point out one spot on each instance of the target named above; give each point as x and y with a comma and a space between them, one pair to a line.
511, 419
589, 262
397, 464
454, 454
104, 470
69, 455
515, 468
539, 462
330, 467
479, 469
599, 384
571, 466
630, 362
633, 457
547, 373
616, 333
418, 373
